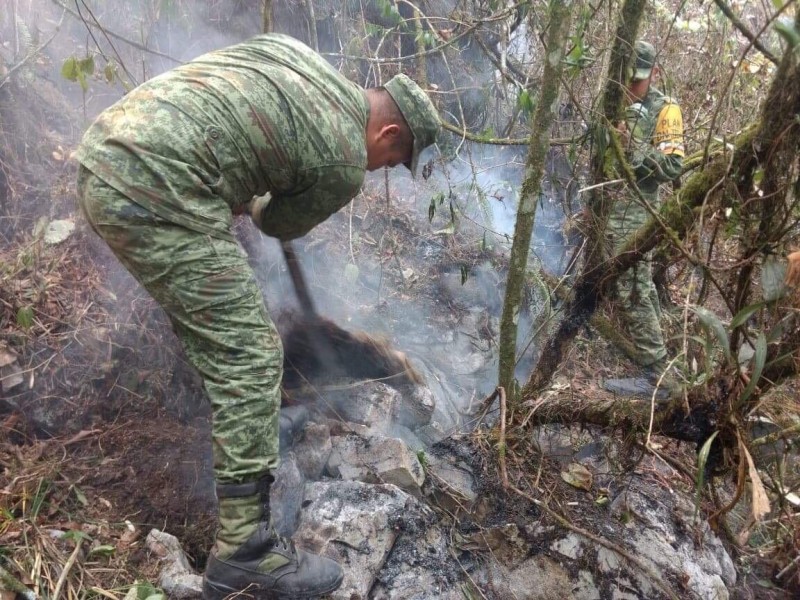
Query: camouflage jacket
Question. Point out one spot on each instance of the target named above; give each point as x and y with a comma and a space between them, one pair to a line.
656, 150
265, 115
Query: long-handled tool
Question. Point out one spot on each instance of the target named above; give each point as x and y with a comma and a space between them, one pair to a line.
318, 344
298, 280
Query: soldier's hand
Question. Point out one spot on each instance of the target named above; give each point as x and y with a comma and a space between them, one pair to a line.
793, 269
624, 134
257, 206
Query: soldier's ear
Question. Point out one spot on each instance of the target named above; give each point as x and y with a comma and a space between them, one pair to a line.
390, 131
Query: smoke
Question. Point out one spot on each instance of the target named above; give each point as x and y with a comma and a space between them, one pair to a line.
431, 287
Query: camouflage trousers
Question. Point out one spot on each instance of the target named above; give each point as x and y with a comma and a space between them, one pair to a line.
209, 291
637, 299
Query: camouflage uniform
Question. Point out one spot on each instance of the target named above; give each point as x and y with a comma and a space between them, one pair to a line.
162, 173
164, 169
656, 156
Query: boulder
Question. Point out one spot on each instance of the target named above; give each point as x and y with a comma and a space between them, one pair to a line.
376, 459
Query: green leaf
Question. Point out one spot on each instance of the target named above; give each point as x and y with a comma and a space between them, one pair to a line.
102, 550
787, 31
83, 81
759, 360
146, 591
745, 314
75, 535
86, 65
464, 274
714, 324
525, 102
69, 69
80, 495
578, 476
108, 72
702, 459
25, 317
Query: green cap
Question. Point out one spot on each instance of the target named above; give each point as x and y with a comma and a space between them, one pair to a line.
644, 60
419, 113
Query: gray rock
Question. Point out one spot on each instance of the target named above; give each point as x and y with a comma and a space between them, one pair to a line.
415, 407
420, 568
635, 386
538, 578
376, 459
452, 485
370, 403
176, 578
313, 450
570, 546
356, 524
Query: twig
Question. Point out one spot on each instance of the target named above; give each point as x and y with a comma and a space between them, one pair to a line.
788, 567
737, 22
655, 577
105, 35
32, 53
504, 141
783, 434
12, 584
67, 567
502, 444
121, 38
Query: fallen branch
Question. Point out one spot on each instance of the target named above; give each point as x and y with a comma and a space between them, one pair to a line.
502, 442
70, 561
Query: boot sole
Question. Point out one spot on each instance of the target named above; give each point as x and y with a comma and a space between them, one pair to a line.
218, 591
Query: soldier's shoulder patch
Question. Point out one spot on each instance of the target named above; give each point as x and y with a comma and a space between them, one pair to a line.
668, 135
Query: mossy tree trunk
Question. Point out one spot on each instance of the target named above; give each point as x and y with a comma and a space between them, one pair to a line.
544, 115
587, 291
756, 176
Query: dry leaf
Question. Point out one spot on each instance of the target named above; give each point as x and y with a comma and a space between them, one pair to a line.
6, 356
578, 476
760, 501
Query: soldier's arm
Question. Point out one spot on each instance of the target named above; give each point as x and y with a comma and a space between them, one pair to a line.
662, 160
289, 216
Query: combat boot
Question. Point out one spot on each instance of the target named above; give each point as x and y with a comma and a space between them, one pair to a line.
251, 559
664, 378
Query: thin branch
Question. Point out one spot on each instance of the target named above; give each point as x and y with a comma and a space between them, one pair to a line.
502, 441
32, 53
506, 141
737, 22
119, 37
105, 35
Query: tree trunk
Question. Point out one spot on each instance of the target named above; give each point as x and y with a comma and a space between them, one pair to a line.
560, 12
587, 294
266, 14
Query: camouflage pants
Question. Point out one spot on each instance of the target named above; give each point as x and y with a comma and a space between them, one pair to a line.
637, 298
210, 294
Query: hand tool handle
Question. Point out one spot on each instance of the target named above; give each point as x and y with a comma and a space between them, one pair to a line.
299, 281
